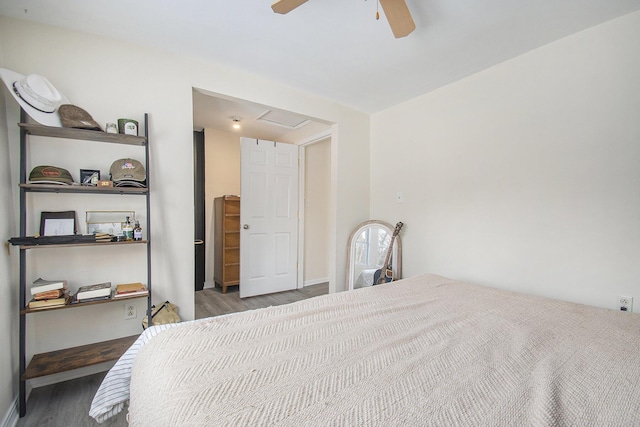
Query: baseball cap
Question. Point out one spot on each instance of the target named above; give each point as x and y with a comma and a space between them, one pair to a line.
50, 175
128, 173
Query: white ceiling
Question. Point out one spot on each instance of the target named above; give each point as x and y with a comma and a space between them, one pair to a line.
215, 111
335, 48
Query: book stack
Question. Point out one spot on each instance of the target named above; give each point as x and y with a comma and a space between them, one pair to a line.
104, 237
130, 290
48, 293
97, 292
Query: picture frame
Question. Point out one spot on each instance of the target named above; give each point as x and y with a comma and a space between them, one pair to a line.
89, 176
58, 223
109, 222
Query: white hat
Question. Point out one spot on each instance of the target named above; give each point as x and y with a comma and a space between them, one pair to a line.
36, 95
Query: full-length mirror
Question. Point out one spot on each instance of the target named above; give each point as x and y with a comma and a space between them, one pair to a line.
369, 254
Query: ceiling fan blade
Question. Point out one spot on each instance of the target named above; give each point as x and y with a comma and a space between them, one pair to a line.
399, 17
286, 6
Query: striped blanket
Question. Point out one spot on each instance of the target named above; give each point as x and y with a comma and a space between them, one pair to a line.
113, 393
425, 351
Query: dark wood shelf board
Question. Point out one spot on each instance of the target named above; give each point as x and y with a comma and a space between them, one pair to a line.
28, 310
70, 245
82, 189
77, 357
82, 134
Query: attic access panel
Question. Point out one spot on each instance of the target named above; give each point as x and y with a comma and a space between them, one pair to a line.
284, 119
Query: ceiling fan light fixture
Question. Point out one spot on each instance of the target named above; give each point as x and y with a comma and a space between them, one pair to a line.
235, 123
396, 11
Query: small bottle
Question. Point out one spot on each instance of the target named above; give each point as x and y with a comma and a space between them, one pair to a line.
127, 230
137, 231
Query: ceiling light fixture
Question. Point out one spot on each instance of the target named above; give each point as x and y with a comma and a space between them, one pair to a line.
236, 123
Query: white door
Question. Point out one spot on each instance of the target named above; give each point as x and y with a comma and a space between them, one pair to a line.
268, 217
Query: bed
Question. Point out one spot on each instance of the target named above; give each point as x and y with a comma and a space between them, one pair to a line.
423, 351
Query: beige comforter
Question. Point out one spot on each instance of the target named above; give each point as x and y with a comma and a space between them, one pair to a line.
425, 351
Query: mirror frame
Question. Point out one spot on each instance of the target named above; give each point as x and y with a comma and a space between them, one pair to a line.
396, 254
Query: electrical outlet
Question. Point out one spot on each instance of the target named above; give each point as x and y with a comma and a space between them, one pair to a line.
625, 303
130, 311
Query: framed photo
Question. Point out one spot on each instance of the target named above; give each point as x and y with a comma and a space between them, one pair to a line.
89, 177
109, 222
58, 223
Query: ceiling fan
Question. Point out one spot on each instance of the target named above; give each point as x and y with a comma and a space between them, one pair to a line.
396, 11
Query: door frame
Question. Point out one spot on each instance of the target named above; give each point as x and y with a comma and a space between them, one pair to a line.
320, 137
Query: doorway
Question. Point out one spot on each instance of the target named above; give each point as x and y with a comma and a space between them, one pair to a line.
222, 177
222, 164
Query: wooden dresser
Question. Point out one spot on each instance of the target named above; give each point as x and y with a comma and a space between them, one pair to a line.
226, 241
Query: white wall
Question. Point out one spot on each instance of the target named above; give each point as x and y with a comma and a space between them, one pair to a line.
112, 79
222, 177
524, 176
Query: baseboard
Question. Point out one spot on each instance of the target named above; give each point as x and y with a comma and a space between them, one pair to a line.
11, 417
312, 282
210, 284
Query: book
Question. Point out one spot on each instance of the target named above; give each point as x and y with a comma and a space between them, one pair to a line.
124, 288
56, 293
131, 294
93, 291
41, 285
75, 300
48, 303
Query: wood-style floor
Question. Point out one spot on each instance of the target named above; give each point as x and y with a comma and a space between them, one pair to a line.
67, 404
212, 302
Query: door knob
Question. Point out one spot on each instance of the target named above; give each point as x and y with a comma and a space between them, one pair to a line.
246, 226
198, 242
